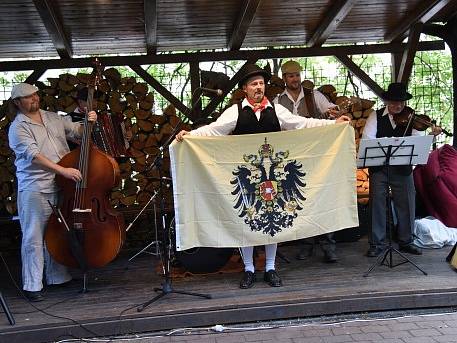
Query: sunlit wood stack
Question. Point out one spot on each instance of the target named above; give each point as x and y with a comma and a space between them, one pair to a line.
7, 169
363, 187
358, 110
120, 96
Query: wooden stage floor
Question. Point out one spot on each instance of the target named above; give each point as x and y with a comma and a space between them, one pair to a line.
311, 288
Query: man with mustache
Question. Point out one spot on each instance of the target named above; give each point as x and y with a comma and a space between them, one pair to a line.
255, 114
311, 104
382, 124
39, 140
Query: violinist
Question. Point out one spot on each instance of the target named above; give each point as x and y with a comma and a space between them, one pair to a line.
384, 123
38, 139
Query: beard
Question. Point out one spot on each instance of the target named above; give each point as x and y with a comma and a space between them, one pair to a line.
34, 106
294, 86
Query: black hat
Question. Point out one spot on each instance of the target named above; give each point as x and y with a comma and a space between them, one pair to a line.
251, 70
396, 92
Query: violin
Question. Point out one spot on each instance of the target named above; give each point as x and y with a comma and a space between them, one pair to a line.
420, 122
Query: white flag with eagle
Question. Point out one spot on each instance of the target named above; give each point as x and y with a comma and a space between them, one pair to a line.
245, 190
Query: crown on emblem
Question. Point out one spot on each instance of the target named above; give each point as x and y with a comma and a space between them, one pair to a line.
266, 150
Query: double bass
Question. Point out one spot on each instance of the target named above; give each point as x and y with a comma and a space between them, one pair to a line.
86, 231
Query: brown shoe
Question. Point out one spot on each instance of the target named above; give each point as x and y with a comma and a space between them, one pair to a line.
272, 278
248, 280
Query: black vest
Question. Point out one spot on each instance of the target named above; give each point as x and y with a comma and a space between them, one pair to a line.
385, 129
247, 122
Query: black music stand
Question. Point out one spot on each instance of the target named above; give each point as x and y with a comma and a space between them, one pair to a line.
6, 309
165, 247
406, 151
155, 241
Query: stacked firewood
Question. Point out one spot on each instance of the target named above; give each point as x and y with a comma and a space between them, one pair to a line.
116, 96
358, 110
363, 187
7, 169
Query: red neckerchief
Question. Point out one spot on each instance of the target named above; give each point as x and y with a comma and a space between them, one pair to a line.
258, 106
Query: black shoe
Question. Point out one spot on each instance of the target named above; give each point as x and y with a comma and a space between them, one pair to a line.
63, 284
272, 278
374, 251
330, 256
305, 252
410, 249
33, 296
248, 280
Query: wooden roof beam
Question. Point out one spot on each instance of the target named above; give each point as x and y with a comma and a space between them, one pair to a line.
211, 56
361, 75
54, 27
35, 75
425, 11
407, 61
241, 27
150, 26
333, 18
159, 88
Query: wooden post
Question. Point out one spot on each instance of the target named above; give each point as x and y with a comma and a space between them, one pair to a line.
448, 33
196, 104
395, 59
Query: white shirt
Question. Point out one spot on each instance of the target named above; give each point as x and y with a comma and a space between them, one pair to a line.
28, 138
371, 126
322, 103
226, 123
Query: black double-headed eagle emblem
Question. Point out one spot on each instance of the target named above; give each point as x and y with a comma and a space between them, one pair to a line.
268, 190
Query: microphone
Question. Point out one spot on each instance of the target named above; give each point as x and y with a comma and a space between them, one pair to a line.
218, 92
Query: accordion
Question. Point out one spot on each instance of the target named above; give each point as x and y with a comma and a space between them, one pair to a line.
109, 134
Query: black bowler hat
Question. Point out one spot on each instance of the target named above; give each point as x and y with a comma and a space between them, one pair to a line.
396, 92
252, 70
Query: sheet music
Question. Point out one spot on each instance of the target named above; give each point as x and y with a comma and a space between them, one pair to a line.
410, 150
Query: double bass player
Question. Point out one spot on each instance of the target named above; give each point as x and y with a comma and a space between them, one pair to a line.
39, 140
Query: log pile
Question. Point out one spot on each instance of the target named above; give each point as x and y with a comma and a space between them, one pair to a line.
121, 96
132, 100
363, 186
358, 110
7, 168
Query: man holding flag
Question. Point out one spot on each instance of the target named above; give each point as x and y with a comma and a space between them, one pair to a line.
255, 114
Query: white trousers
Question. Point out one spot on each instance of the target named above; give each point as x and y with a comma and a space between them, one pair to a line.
34, 212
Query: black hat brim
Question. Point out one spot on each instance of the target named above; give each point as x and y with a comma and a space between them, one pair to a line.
396, 97
266, 75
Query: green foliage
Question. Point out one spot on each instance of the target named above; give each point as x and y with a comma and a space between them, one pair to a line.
430, 83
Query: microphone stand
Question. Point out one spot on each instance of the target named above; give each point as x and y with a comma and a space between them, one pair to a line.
165, 249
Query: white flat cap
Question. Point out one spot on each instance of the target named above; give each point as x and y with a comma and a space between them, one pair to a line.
23, 89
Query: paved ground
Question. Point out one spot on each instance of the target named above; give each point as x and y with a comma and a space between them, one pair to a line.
392, 327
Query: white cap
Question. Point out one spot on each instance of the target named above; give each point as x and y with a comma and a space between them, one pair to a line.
23, 89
